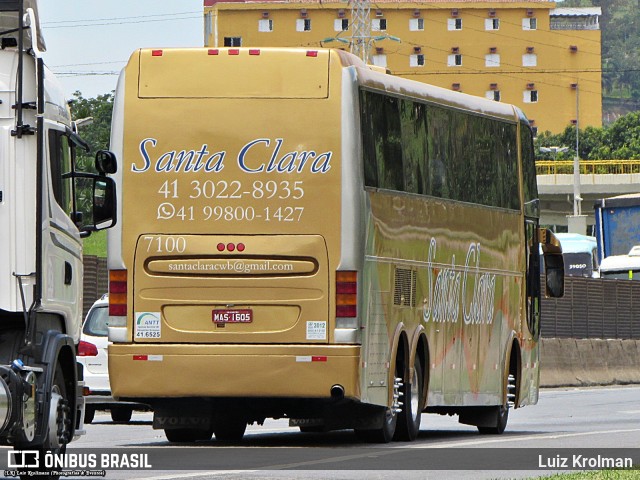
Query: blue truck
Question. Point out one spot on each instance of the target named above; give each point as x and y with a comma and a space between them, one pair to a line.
617, 224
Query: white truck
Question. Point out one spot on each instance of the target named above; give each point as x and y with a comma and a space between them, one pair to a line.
46, 206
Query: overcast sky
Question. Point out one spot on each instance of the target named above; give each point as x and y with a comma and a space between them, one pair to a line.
90, 36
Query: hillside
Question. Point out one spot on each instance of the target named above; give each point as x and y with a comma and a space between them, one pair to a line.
620, 26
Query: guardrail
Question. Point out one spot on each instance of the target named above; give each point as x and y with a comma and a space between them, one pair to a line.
589, 167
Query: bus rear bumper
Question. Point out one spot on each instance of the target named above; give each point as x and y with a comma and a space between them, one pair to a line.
302, 371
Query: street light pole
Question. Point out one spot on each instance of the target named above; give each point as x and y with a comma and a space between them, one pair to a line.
577, 222
577, 200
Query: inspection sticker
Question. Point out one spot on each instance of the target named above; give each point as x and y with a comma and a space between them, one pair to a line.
316, 330
148, 325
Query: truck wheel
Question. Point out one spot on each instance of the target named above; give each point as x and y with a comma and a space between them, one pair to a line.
409, 418
230, 429
59, 425
59, 415
89, 414
121, 414
184, 435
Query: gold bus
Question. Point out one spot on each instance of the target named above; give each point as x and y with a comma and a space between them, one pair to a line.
304, 237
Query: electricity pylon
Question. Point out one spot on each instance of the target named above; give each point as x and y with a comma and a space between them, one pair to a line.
361, 29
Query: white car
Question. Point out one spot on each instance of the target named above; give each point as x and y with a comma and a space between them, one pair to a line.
92, 353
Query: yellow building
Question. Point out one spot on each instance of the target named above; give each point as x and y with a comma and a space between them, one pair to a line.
544, 59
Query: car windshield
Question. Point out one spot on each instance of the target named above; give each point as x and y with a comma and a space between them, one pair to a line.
97, 322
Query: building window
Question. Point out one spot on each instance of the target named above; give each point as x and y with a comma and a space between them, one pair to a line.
492, 60
454, 60
416, 60
379, 60
303, 25
529, 60
265, 25
492, 24
492, 95
416, 24
530, 96
379, 24
232, 41
454, 24
529, 24
341, 24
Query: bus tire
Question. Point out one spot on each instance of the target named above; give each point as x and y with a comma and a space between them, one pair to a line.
409, 418
89, 414
230, 429
313, 429
121, 414
383, 434
187, 435
501, 414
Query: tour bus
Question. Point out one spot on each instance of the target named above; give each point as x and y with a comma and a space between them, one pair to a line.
304, 237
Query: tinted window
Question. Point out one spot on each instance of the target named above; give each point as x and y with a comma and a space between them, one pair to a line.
421, 148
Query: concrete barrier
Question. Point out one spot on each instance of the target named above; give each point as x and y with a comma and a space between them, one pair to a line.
568, 362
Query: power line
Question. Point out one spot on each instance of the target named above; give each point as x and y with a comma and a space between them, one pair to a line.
173, 18
120, 18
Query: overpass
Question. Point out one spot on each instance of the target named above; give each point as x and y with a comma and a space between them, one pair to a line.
598, 179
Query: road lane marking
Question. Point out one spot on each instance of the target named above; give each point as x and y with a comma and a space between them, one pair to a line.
524, 438
197, 474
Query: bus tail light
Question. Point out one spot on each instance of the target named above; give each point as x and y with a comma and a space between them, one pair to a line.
346, 294
117, 293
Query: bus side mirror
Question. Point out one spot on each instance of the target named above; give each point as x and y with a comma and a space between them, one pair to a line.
554, 266
106, 162
553, 263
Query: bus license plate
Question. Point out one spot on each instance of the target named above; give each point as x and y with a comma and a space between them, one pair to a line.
232, 316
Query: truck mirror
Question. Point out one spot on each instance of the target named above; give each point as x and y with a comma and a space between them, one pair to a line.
104, 203
106, 162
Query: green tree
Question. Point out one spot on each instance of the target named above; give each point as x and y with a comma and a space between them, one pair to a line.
618, 141
97, 133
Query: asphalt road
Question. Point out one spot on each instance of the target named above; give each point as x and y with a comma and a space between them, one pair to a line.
576, 419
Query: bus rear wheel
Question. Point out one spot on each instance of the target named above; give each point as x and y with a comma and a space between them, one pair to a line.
230, 429
121, 414
385, 433
409, 418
